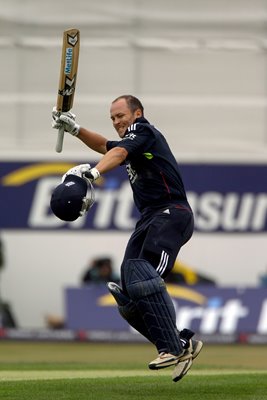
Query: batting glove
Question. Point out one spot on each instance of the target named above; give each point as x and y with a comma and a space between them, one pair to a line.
66, 119
79, 170
92, 174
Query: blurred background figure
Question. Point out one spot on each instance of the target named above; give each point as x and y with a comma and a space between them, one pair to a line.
1, 254
263, 278
1, 266
100, 270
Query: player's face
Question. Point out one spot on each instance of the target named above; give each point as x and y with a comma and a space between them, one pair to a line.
122, 117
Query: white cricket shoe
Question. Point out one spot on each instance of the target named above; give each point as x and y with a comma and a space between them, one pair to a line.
182, 367
165, 360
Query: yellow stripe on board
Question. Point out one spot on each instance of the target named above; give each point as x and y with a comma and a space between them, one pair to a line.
182, 292
174, 291
29, 173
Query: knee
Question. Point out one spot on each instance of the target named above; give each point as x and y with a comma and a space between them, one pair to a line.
141, 279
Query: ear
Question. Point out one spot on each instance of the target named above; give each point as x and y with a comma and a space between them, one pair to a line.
138, 113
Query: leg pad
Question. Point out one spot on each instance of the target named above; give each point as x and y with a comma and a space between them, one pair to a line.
148, 291
128, 310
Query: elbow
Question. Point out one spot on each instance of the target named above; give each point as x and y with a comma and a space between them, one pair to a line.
112, 159
121, 153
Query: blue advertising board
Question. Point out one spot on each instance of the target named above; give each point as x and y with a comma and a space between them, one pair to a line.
205, 310
225, 198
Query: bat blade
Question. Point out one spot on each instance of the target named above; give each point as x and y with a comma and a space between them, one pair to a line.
68, 76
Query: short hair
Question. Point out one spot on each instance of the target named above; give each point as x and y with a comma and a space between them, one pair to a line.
133, 102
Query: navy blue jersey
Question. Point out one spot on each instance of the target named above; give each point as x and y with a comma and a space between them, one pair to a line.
152, 169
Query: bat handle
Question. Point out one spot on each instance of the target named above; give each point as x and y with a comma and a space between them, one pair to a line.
60, 137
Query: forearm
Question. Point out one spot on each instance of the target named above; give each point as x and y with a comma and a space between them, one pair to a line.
93, 140
112, 159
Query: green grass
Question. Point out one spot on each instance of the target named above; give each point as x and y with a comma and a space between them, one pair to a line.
79, 371
217, 387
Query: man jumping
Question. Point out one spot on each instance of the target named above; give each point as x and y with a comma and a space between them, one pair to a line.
166, 223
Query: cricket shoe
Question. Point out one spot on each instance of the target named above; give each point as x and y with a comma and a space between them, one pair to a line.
191, 345
196, 348
183, 367
165, 360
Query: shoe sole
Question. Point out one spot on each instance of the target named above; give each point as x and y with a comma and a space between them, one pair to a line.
197, 349
181, 369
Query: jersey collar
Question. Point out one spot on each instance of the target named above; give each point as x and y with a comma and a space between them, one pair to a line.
142, 120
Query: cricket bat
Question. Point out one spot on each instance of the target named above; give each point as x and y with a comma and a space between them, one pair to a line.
68, 76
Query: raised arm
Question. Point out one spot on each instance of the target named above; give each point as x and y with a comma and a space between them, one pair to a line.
94, 140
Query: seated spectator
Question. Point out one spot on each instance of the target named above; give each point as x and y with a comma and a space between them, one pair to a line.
99, 271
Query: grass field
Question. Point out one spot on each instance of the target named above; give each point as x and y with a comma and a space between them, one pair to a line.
70, 371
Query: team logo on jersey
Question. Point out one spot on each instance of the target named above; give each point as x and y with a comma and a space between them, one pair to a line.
132, 174
70, 183
132, 127
130, 136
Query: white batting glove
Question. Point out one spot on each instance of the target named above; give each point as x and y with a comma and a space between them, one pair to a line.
56, 123
92, 174
66, 119
78, 170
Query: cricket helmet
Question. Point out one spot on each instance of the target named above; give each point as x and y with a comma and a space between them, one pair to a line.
72, 198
